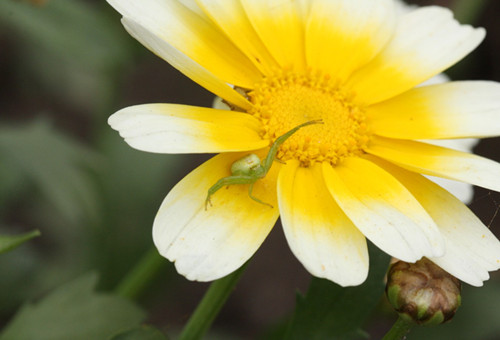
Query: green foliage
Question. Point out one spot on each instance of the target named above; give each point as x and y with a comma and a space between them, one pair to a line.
77, 49
57, 165
133, 185
74, 311
9, 242
329, 311
140, 333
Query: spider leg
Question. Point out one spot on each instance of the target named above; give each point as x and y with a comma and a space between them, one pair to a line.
230, 180
268, 162
250, 189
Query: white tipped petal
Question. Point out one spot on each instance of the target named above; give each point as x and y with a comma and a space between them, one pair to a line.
463, 191
209, 244
457, 263
426, 42
173, 128
320, 235
192, 35
280, 27
184, 64
438, 161
450, 110
230, 16
194, 7
343, 35
471, 248
383, 209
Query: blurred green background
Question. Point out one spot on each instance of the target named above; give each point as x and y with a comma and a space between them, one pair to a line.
65, 67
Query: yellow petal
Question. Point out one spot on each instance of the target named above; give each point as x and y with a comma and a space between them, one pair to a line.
471, 248
184, 64
383, 209
209, 244
194, 36
438, 161
320, 235
343, 35
426, 42
173, 128
281, 28
303, 8
450, 110
230, 16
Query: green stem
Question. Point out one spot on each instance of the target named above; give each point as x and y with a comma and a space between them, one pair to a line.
210, 305
135, 282
468, 11
400, 328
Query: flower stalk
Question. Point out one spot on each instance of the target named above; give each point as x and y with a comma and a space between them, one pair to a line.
400, 328
210, 305
137, 280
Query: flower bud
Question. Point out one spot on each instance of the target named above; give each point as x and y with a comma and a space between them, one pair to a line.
422, 292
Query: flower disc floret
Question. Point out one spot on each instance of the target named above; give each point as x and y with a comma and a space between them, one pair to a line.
288, 99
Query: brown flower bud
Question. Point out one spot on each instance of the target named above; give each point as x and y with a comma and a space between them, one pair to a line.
422, 292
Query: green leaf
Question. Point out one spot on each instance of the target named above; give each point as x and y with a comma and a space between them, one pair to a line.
9, 242
76, 312
141, 333
329, 311
56, 164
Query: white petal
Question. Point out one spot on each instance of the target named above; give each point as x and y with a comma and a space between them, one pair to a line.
437, 79
463, 191
457, 263
461, 144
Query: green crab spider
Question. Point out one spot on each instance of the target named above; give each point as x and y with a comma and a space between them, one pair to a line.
250, 169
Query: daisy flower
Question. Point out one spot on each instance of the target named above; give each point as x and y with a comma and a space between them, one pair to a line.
354, 64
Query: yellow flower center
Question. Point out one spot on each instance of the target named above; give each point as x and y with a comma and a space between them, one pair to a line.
287, 100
